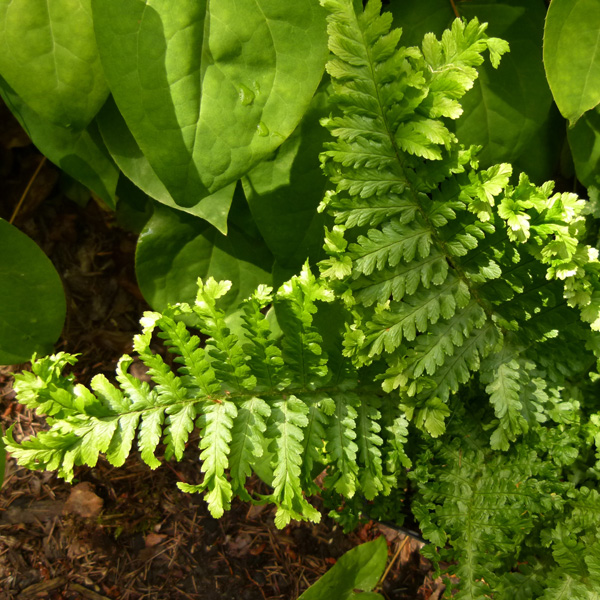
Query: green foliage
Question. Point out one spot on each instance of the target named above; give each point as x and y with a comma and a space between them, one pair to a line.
358, 569
445, 356
175, 248
572, 57
56, 73
32, 311
227, 106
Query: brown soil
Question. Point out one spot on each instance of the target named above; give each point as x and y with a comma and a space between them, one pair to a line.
129, 533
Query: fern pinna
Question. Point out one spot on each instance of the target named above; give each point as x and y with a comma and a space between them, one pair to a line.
451, 336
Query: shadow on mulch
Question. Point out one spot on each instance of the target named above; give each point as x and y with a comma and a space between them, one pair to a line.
129, 533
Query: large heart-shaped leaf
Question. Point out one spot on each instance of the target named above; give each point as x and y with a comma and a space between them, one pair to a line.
208, 89
358, 569
284, 191
33, 307
48, 56
127, 154
572, 55
174, 249
82, 154
584, 140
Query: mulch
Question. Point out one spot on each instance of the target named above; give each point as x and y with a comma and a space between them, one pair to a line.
129, 533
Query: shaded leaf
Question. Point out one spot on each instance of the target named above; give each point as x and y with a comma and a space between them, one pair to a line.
284, 190
584, 140
81, 154
510, 105
174, 249
32, 311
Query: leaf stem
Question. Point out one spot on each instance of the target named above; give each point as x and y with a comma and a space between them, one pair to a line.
389, 567
455, 9
24, 194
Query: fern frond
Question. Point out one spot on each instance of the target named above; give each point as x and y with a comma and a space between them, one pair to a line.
297, 390
289, 419
341, 446
475, 498
369, 442
248, 441
295, 305
216, 424
455, 257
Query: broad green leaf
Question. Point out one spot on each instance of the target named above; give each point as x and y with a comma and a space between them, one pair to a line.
358, 569
210, 89
584, 140
81, 154
284, 191
511, 105
33, 307
572, 55
127, 154
418, 17
48, 56
174, 249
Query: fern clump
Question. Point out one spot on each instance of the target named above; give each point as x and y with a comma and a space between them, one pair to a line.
449, 270
448, 346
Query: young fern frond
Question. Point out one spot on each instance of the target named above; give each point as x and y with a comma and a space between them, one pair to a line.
440, 262
269, 393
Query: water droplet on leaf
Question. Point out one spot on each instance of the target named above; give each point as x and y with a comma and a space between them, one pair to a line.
246, 95
263, 130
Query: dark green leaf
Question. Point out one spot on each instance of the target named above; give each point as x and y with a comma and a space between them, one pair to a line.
584, 140
510, 107
572, 55
81, 154
32, 311
175, 249
284, 191
418, 17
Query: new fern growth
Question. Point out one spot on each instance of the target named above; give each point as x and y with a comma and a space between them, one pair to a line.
452, 332
445, 267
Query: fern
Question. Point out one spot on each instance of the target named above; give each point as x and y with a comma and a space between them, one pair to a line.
452, 334
265, 393
449, 264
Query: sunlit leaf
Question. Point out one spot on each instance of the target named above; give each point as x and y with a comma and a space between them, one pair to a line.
48, 56
209, 89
